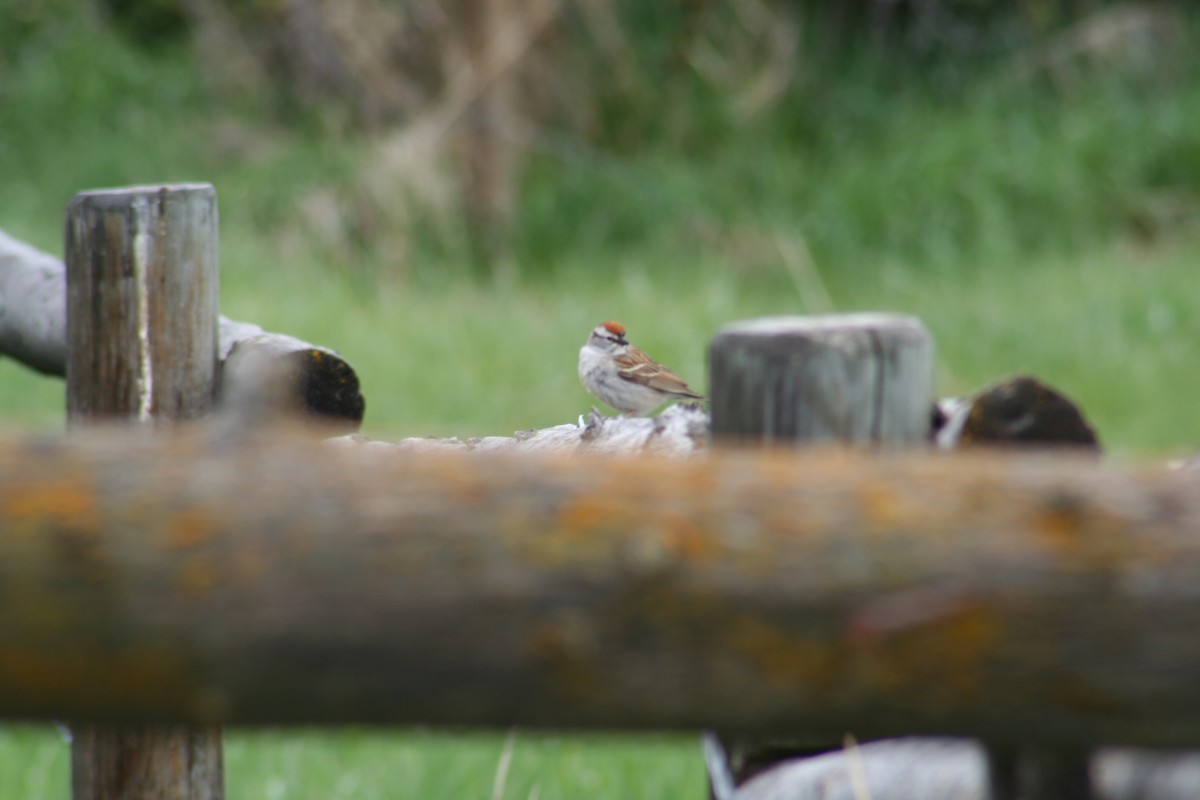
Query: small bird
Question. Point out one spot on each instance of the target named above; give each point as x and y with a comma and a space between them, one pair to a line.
622, 376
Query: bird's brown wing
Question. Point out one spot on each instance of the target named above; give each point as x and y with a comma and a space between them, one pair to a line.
638, 367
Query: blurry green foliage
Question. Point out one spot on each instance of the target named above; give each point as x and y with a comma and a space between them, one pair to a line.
30, 24
868, 150
149, 23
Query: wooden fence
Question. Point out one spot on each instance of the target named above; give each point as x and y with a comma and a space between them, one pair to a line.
190, 577
283, 581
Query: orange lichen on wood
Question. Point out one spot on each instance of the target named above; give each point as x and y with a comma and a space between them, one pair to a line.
69, 503
690, 539
606, 518
587, 512
298, 581
190, 527
1061, 522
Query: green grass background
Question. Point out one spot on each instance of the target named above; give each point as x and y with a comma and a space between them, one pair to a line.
1035, 227
378, 765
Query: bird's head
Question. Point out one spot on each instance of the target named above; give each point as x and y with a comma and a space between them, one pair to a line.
609, 337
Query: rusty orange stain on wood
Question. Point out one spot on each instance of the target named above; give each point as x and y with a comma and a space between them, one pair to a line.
880, 503
1060, 531
70, 503
674, 532
190, 527
1060, 523
690, 540
589, 511
1087, 537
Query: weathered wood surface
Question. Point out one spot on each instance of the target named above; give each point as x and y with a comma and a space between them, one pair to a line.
271, 375
846, 377
142, 289
680, 430
868, 378
954, 769
33, 312
146, 762
142, 286
761, 592
33, 330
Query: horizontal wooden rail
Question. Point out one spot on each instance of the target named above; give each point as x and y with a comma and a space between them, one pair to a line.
154, 579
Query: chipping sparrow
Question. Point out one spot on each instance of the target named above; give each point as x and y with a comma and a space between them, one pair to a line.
622, 376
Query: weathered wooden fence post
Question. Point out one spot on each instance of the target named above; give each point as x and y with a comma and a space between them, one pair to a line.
853, 378
859, 378
142, 344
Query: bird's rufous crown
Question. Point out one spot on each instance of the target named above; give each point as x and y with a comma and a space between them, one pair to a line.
615, 328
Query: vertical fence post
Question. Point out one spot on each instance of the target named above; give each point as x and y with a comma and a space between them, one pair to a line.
865, 379
858, 378
142, 344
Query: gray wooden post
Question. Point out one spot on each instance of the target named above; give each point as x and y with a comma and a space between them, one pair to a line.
142, 302
856, 378
142, 344
861, 378
851, 378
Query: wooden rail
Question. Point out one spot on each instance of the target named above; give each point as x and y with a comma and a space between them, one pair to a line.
278, 582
